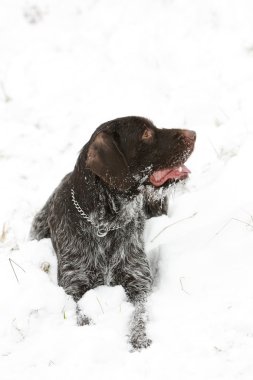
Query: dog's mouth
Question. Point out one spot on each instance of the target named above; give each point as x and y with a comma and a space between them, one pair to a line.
160, 177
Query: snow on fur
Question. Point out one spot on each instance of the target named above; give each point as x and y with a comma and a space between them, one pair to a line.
65, 68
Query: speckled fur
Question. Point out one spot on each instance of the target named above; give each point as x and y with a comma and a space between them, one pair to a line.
86, 260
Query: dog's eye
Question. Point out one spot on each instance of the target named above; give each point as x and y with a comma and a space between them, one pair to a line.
147, 135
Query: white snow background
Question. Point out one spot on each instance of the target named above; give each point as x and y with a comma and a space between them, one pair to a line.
66, 67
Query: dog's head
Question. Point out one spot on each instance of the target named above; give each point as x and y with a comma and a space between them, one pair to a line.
130, 151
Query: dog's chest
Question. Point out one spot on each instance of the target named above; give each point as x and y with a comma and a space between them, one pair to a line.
111, 251
108, 276
124, 245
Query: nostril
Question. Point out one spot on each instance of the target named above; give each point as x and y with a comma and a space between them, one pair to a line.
189, 134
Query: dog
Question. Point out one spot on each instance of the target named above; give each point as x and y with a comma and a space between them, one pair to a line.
95, 217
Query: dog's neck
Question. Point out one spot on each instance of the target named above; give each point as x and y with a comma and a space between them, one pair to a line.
104, 204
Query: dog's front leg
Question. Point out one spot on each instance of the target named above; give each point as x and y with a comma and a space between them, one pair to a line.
137, 283
138, 336
75, 285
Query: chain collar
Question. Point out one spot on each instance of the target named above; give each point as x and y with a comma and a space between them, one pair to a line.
102, 228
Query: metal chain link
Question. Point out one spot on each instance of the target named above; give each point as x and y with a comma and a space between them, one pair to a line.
102, 228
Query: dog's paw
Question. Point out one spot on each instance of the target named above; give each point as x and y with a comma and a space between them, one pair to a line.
139, 342
82, 319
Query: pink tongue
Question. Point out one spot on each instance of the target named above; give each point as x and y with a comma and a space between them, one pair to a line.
159, 177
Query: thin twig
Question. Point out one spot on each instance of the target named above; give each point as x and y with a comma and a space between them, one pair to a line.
7, 98
4, 233
216, 151
17, 265
13, 262
19, 330
100, 304
224, 113
225, 225
217, 349
63, 309
221, 229
172, 224
242, 221
182, 287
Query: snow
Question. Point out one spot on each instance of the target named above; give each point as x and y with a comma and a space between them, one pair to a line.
66, 67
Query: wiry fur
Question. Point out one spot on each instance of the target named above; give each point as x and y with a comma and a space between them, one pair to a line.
86, 260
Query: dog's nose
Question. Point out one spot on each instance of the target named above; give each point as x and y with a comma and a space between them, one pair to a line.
189, 134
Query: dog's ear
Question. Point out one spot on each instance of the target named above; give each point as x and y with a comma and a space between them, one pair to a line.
105, 159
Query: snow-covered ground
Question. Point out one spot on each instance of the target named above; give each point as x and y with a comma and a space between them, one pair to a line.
67, 66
